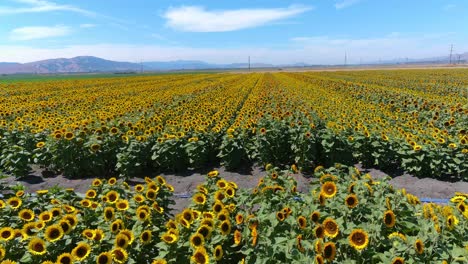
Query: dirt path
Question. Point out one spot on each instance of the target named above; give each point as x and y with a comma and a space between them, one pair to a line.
185, 184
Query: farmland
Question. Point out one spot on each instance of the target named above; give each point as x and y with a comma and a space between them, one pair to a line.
415, 120
317, 123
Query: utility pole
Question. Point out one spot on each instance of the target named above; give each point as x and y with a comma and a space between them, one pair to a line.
345, 58
459, 58
451, 50
249, 63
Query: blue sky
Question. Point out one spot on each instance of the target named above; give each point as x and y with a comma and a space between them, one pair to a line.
313, 31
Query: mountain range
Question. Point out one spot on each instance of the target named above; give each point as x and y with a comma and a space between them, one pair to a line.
85, 64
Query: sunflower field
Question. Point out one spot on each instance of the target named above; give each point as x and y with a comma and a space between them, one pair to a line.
347, 217
412, 120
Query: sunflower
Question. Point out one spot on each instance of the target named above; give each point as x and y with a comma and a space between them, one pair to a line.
104, 258
121, 241
88, 233
81, 251
2, 204
197, 240
142, 215
36, 246
225, 227
169, 238
139, 188
95, 147
122, 205
461, 207
45, 216
139, 198
187, 215
40, 225
329, 251
319, 231
159, 261
318, 246
200, 256
129, 234
184, 223
28, 230
109, 213
218, 252
319, 259
120, 255
220, 195
116, 226
280, 216
452, 221
96, 183
14, 202
91, 194
230, 192
26, 215
213, 174
205, 231
239, 218
151, 194
254, 235
112, 181
331, 227
389, 218
2, 252
351, 201
302, 222
72, 219
69, 135
315, 216
55, 212
398, 260
358, 239
53, 233
40, 144
322, 199
237, 237
328, 189
98, 235
112, 196
419, 246
85, 203
218, 206
397, 235
65, 258
145, 237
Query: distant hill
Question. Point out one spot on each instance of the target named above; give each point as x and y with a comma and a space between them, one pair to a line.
95, 64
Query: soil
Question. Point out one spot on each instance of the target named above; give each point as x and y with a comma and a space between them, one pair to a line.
185, 184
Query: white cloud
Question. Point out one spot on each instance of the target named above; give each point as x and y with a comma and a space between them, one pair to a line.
345, 3
87, 25
29, 33
198, 19
39, 6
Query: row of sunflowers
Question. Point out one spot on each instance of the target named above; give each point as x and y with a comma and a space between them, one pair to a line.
414, 120
347, 217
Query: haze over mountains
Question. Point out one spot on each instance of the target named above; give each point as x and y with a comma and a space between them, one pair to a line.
94, 64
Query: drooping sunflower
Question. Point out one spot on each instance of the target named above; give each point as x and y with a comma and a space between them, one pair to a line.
218, 252
419, 246
331, 227
109, 213
302, 222
237, 237
120, 255
351, 201
315, 216
358, 239
81, 251
26, 215
65, 258
36, 246
104, 258
205, 231
53, 233
398, 260
328, 189
200, 256
329, 251
318, 246
319, 259
322, 200
319, 231
389, 218
145, 237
